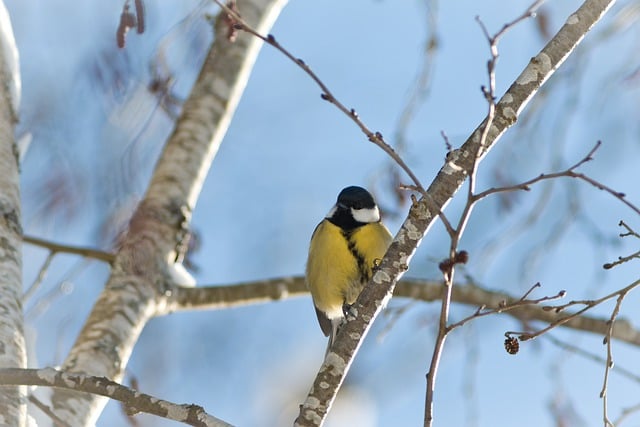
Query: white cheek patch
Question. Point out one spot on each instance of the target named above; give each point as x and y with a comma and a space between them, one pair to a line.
366, 215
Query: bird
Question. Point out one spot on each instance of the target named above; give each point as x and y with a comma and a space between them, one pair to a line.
345, 248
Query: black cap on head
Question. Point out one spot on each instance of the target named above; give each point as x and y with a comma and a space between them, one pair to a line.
355, 207
355, 197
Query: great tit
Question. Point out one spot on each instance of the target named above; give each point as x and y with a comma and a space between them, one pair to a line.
344, 250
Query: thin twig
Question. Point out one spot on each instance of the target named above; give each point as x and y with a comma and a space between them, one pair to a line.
621, 260
526, 184
489, 92
609, 362
529, 13
76, 250
437, 349
63, 286
630, 231
456, 234
570, 173
588, 304
41, 275
47, 411
327, 95
504, 307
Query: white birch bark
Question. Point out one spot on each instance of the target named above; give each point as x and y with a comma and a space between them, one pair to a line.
138, 285
458, 166
136, 402
12, 346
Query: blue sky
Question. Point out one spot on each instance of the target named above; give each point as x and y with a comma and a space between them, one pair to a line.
283, 161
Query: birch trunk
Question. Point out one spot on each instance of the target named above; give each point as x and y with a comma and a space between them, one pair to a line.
138, 286
12, 347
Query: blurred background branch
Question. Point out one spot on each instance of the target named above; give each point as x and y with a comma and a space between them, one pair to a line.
469, 293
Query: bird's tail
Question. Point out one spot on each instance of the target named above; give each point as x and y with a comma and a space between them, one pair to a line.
335, 326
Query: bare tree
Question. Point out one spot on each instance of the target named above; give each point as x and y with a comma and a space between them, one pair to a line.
147, 277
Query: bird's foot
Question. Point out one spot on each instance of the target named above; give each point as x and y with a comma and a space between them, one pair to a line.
349, 312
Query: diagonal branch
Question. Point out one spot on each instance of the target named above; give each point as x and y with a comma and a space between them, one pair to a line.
68, 249
137, 287
327, 95
459, 164
134, 401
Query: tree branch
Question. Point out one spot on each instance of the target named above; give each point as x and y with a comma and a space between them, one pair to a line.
134, 401
67, 249
13, 409
219, 297
281, 289
459, 164
375, 137
138, 285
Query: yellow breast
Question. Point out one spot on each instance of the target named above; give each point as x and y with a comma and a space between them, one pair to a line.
341, 263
